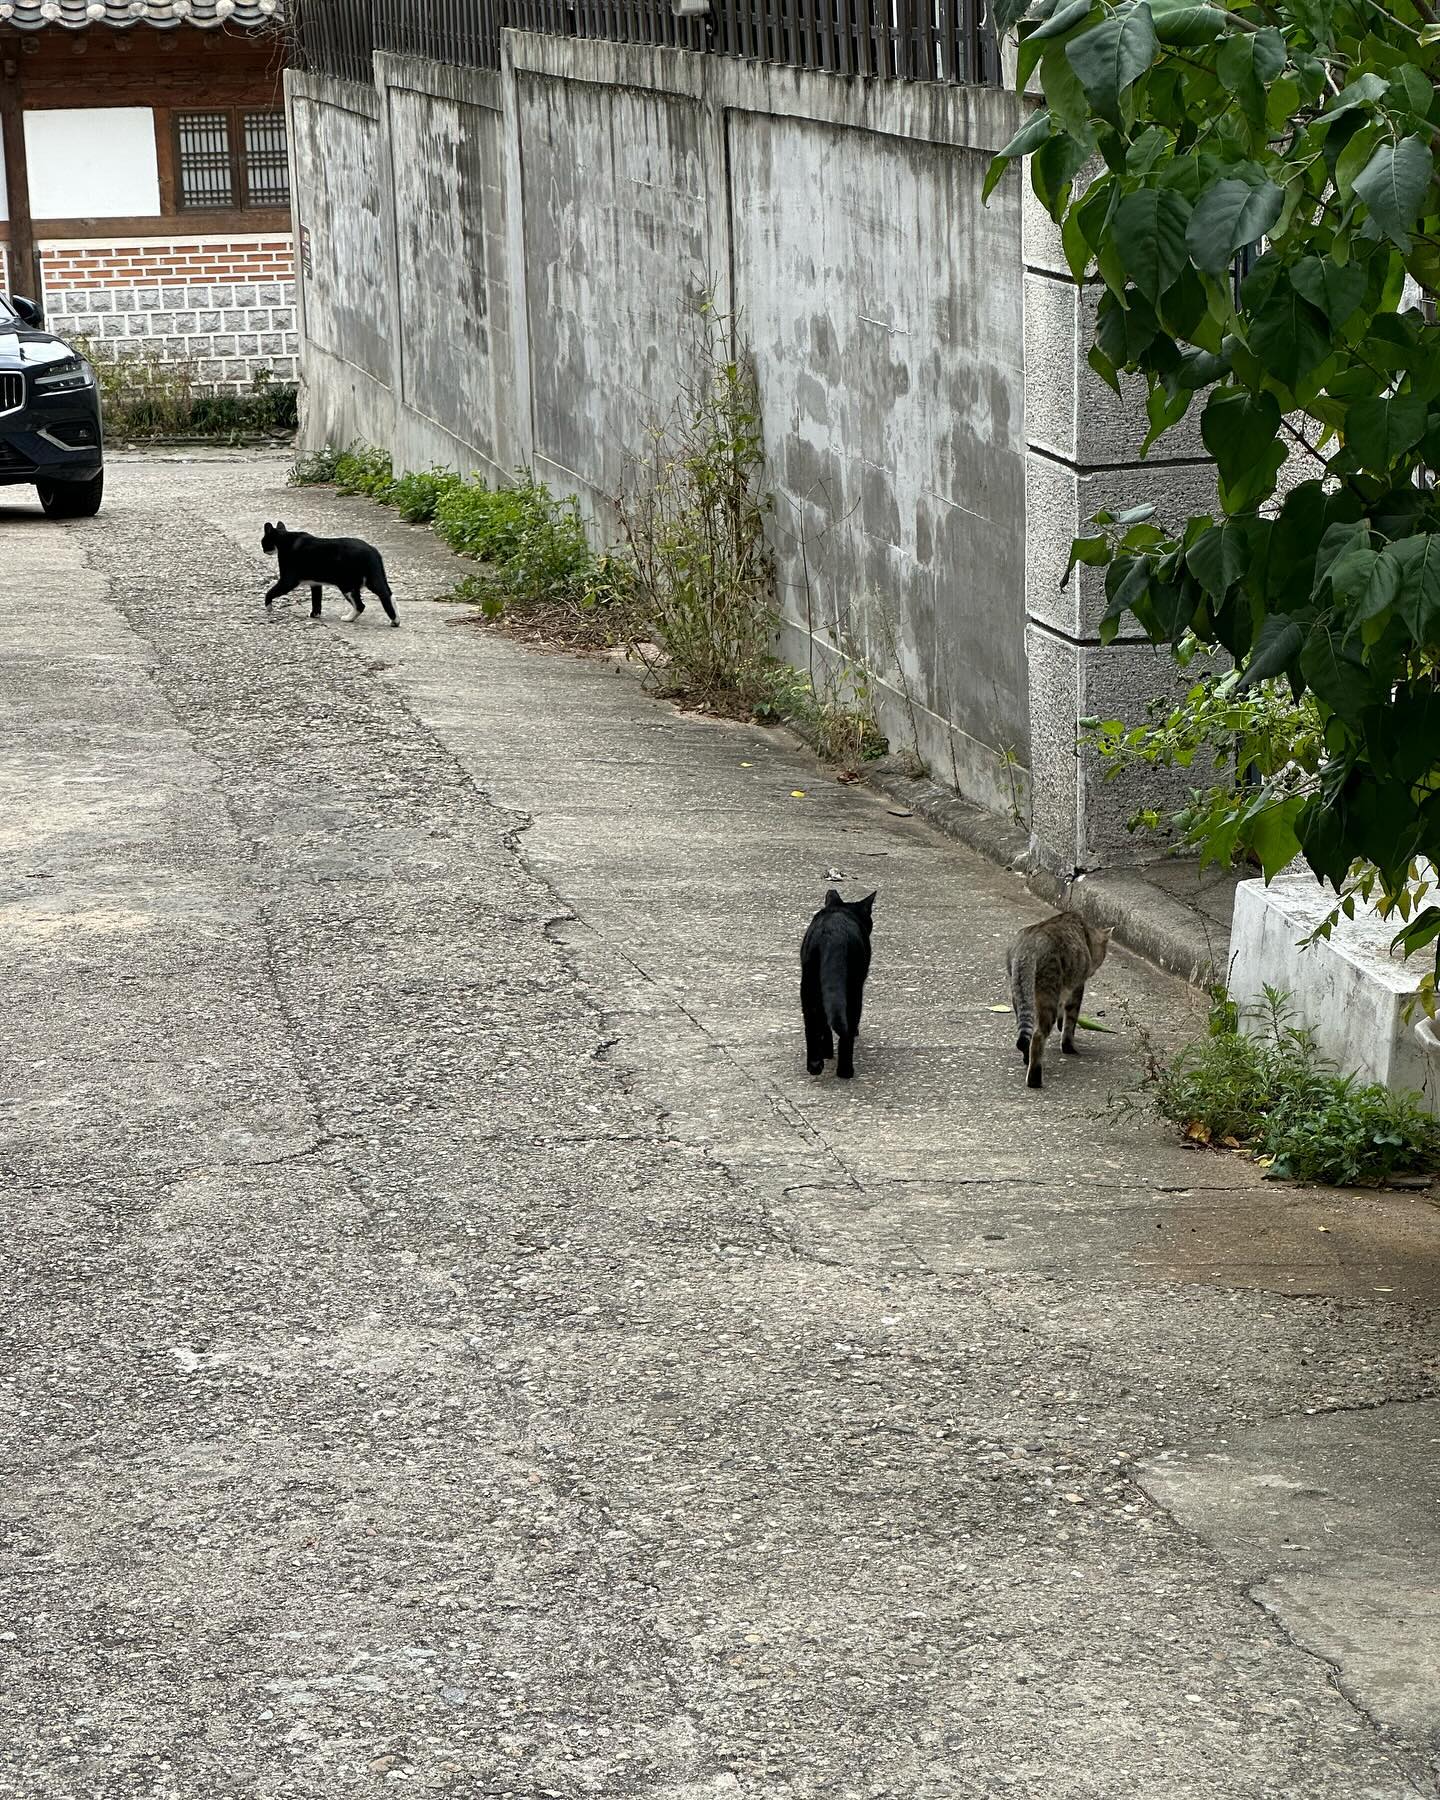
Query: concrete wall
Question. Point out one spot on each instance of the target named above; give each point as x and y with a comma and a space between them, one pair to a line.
404, 258
508, 270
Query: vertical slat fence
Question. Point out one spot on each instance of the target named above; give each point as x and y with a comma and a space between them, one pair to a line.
908, 40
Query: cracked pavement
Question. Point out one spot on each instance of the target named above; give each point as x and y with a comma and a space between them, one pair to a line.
449, 1345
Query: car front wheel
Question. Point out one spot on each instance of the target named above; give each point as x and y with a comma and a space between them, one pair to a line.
72, 499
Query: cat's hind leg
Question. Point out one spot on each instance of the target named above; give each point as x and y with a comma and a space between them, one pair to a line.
316, 591
1072, 1019
1044, 1025
818, 1042
845, 1056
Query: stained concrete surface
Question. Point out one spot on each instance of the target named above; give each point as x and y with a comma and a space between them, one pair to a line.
450, 1343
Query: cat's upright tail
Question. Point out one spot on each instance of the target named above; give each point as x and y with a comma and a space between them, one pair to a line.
1022, 995
835, 988
379, 585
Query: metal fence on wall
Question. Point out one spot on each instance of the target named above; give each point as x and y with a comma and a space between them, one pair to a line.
908, 40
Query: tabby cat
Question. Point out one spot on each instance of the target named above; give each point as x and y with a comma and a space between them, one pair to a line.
1049, 964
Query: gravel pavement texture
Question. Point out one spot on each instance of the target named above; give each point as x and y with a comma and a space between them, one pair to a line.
449, 1346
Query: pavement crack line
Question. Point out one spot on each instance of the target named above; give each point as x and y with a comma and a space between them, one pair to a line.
1384, 1736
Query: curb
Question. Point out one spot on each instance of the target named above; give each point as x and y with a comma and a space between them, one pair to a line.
1142, 917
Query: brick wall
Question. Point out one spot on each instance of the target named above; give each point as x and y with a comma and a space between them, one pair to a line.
227, 303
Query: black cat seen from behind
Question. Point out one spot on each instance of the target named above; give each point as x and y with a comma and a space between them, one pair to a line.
834, 961
345, 563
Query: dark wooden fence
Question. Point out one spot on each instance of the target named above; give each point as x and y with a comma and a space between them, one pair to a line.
906, 40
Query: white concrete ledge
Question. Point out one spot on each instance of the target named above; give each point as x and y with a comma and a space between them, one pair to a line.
1350, 991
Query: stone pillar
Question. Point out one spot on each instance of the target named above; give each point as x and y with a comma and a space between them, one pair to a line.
1082, 455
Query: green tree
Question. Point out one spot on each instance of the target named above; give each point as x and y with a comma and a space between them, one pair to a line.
1249, 186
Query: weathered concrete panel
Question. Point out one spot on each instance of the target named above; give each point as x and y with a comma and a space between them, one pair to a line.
619, 248
456, 354
884, 304
339, 204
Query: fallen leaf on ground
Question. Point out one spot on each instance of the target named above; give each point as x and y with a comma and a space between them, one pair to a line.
1197, 1132
900, 812
846, 775
797, 793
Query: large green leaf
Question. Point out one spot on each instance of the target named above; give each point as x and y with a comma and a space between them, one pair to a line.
1126, 583
1237, 429
1394, 183
1031, 135
1110, 57
1065, 21
1245, 63
1187, 23
1290, 335
1229, 216
1125, 333
1361, 92
1054, 166
1418, 601
1272, 835
1149, 234
1320, 828
1379, 432
1218, 558
1364, 582
1060, 21
1337, 290
1064, 94
1336, 675
1277, 646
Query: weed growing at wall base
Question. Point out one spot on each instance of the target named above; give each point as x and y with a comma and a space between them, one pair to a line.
690, 596
693, 513
1271, 1092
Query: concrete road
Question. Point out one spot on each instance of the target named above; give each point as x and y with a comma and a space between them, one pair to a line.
450, 1346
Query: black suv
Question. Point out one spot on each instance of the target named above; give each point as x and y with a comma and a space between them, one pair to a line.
50, 434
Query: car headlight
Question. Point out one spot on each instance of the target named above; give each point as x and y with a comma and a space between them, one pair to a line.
65, 377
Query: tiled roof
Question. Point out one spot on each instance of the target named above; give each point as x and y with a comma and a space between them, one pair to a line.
31, 15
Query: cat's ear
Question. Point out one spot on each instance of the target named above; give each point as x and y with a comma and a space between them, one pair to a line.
867, 905
279, 526
268, 528
832, 899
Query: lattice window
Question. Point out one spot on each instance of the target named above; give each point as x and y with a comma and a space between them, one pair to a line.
267, 169
230, 159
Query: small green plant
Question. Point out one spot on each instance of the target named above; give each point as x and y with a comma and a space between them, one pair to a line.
416, 495
837, 719
316, 468
1272, 1092
364, 469
534, 543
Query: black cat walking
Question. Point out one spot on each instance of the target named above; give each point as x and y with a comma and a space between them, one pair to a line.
834, 961
345, 563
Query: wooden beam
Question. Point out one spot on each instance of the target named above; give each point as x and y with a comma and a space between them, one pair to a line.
24, 273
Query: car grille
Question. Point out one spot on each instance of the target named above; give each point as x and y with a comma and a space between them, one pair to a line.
12, 392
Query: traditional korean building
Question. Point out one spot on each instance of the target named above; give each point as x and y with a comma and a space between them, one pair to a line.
146, 182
